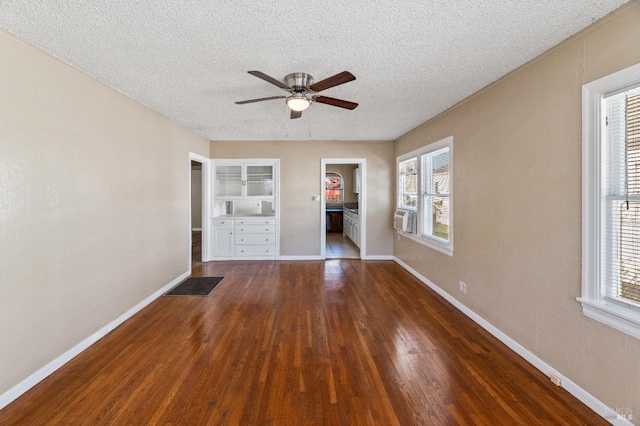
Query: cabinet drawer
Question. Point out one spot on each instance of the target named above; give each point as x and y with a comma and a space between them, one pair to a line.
255, 239
270, 221
255, 229
223, 223
255, 250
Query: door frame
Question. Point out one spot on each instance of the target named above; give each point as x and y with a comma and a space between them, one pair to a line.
362, 203
206, 205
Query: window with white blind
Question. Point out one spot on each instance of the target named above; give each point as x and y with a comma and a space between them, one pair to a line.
408, 180
424, 185
435, 192
611, 200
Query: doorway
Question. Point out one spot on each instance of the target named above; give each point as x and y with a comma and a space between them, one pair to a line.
343, 208
198, 210
196, 214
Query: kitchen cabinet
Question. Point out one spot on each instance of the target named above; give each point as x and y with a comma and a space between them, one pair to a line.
334, 219
351, 226
240, 181
357, 180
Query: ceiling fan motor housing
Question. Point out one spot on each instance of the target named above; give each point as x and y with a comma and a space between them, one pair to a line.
299, 81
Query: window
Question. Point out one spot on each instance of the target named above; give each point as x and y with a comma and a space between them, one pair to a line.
424, 185
333, 188
408, 183
611, 200
435, 172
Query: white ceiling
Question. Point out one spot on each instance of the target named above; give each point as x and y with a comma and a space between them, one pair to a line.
188, 59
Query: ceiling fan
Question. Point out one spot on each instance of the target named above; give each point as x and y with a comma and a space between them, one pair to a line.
303, 91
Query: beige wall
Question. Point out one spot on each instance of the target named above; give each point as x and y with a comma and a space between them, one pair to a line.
94, 206
301, 178
517, 209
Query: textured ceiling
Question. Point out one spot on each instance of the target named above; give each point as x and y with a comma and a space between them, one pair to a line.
188, 59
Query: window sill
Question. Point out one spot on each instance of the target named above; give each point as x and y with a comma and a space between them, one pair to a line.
432, 244
618, 317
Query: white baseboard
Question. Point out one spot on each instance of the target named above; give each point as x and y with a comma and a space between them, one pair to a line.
378, 257
300, 258
585, 397
375, 257
13, 393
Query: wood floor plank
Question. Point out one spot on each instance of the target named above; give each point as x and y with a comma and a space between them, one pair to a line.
331, 342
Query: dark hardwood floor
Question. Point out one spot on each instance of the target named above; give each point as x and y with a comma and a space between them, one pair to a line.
336, 342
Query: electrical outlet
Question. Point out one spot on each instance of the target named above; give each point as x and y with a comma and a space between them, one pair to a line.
463, 287
399, 236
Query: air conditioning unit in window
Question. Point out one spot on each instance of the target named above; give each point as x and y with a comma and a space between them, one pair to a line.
404, 221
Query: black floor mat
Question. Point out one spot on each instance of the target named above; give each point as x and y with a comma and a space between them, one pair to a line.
195, 286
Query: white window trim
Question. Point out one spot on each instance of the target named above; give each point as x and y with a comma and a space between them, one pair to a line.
594, 305
429, 242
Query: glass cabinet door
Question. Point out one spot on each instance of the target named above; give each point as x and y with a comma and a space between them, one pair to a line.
228, 181
259, 181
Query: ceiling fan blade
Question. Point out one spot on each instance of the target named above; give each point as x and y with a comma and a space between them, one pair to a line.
269, 79
336, 80
336, 102
259, 100
296, 114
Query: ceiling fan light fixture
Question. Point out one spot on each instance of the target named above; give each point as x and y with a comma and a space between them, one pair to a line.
298, 102
303, 91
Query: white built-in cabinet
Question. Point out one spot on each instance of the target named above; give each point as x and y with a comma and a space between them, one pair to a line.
255, 237
243, 181
222, 237
245, 207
